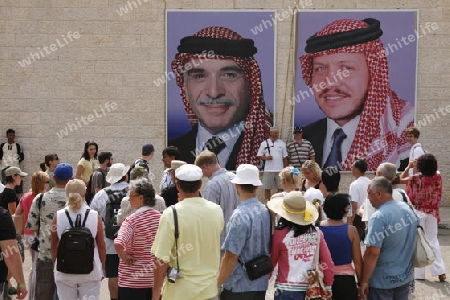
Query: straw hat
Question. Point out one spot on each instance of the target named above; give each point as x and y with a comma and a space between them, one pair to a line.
294, 208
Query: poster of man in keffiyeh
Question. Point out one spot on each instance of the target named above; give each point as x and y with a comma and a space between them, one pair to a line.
220, 83
355, 84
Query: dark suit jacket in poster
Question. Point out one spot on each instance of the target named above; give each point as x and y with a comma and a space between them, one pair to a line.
316, 133
186, 145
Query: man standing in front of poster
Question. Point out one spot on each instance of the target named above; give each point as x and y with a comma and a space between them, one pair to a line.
221, 89
346, 66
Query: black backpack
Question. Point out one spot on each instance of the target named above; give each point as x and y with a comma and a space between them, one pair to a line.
75, 254
138, 163
112, 209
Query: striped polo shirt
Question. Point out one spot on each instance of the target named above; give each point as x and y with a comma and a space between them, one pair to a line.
136, 236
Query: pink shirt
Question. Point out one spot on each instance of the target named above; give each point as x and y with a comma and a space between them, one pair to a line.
26, 201
425, 193
295, 256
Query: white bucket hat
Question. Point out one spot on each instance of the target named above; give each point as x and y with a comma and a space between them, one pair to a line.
247, 174
116, 172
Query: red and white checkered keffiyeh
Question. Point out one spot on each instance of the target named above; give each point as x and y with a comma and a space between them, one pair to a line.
258, 120
380, 134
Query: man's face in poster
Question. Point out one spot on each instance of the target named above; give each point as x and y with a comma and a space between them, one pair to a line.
342, 97
218, 93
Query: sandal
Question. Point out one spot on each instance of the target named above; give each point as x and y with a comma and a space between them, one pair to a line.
442, 277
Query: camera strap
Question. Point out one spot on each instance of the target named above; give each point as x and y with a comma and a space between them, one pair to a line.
177, 233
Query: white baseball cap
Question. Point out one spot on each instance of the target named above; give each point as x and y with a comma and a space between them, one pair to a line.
189, 172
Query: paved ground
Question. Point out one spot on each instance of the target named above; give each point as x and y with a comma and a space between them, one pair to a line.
429, 289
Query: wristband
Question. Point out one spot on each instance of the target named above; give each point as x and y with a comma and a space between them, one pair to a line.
21, 285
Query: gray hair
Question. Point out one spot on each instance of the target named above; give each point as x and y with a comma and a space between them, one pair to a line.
381, 183
144, 187
387, 170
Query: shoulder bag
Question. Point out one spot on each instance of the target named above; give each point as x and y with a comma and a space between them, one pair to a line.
35, 244
316, 288
423, 252
261, 265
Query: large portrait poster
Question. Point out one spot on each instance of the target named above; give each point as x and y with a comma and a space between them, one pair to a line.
355, 84
220, 83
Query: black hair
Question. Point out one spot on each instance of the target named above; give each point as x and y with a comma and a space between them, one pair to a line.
103, 156
10, 130
298, 229
361, 165
189, 186
331, 179
249, 188
335, 206
86, 152
427, 165
172, 151
47, 159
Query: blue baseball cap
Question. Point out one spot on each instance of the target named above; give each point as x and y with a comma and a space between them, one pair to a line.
63, 171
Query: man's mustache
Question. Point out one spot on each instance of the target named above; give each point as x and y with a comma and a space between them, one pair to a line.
221, 100
335, 91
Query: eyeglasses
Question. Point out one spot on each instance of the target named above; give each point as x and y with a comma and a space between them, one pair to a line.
135, 195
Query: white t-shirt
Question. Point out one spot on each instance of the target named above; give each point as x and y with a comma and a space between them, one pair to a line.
369, 209
277, 151
358, 190
415, 152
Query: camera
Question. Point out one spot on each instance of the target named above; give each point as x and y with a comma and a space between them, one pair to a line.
173, 274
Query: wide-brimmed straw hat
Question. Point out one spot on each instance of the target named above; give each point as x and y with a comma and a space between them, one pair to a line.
294, 208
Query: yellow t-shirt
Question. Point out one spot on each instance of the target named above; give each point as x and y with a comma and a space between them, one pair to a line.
89, 167
200, 223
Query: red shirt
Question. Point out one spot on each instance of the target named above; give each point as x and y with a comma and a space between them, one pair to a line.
26, 201
425, 193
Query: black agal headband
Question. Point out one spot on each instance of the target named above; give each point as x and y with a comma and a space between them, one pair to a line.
316, 43
244, 48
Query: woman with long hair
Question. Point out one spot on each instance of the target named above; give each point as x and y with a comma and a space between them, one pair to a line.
294, 246
88, 162
78, 286
343, 241
39, 184
424, 189
312, 177
48, 166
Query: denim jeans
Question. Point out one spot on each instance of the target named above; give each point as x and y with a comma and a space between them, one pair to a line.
398, 293
289, 295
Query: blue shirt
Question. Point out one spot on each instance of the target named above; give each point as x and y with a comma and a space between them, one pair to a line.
220, 190
393, 229
247, 236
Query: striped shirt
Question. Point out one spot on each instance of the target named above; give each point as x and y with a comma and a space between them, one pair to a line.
299, 153
136, 236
